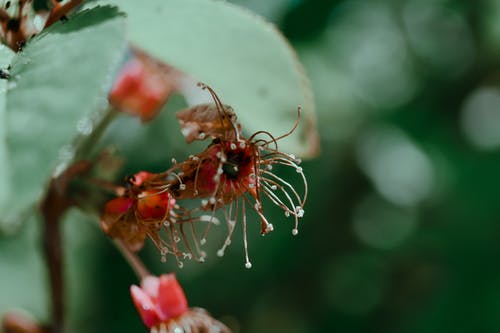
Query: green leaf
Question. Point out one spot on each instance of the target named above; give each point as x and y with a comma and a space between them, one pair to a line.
245, 59
6, 56
57, 85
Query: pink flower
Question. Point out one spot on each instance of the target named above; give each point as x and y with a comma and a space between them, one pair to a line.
163, 307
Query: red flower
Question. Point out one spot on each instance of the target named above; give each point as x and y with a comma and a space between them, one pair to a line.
159, 299
147, 209
234, 173
163, 307
143, 85
138, 213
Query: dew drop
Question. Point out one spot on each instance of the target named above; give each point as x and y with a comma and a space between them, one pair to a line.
274, 187
163, 259
180, 264
242, 145
203, 241
85, 126
233, 146
220, 253
295, 231
182, 187
248, 265
177, 239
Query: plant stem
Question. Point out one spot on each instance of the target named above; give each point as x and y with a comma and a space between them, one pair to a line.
85, 144
52, 209
134, 261
55, 203
61, 10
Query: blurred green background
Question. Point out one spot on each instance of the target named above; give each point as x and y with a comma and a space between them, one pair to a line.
401, 229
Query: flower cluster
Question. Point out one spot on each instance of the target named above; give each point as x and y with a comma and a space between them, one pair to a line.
233, 174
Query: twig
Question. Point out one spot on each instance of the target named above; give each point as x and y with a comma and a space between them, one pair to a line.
134, 261
54, 205
59, 11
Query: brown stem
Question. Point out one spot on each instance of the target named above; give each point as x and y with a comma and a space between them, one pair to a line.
134, 261
61, 10
53, 207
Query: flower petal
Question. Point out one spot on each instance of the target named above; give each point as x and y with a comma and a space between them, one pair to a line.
151, 284
171, 299
144, 306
